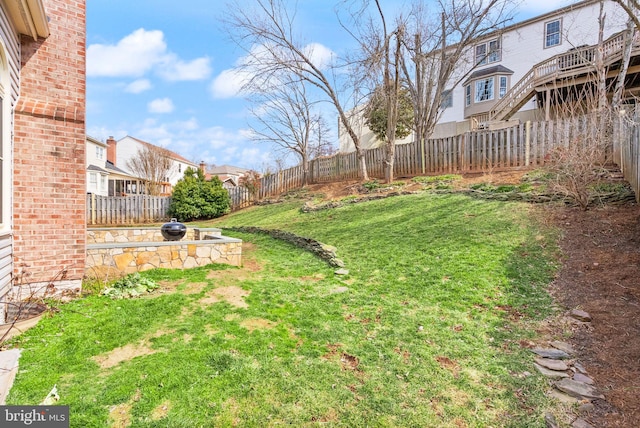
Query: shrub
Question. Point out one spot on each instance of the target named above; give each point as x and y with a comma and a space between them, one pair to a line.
132, 285
195, 198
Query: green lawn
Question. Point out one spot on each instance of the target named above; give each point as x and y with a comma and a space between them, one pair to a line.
423, 332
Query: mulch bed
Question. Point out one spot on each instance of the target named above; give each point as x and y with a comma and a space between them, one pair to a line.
601, 275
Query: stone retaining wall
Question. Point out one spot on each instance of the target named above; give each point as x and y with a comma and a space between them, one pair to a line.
115, 260
109, 235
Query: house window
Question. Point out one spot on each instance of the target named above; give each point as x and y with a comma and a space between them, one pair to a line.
484, 90
552, 33
467, 95
488, 52
447, 99
93, 181
503, 86
100, 152
103, 183
179, 167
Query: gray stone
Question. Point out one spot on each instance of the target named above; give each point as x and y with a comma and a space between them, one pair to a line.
554, 354
580, 367
580, 315
337, 262
562, 397
552, 364
563, 346
342, 271
586, 408
578, 389
553, 374
581, 423
579, 377
550, 421
339, 290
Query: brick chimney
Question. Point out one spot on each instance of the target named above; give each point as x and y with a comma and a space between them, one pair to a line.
111, 150
203, 167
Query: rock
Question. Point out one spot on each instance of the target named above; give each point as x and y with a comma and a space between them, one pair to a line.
562, 397
586, 408
563, 346
554, 354
579, 377
339, 290
550, 421
553, 374
581, 423
580, 315
578, 389
342, 271
579, 367
337, 262
552, 364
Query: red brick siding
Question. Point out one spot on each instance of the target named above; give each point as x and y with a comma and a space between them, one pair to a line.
49, 149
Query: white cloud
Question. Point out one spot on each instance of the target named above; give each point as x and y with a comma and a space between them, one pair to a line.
161, 105
542, 6
138, 86
141, 52
229, 83
319, 54
178, 70
132, 56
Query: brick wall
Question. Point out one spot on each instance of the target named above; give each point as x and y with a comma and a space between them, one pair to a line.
49, 150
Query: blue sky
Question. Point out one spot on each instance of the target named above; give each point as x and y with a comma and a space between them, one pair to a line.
158, 70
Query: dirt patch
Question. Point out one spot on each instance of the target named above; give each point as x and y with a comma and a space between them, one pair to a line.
194, 287
161, 411
233, 295
124, 353
120, 415
252, 324
600, 275
448, 364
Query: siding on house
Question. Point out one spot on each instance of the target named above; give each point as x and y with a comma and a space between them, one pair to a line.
521, 47
9, 77
49, 180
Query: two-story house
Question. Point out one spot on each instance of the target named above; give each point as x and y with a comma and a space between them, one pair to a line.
120, 152
228, 174
510, 74
106, 179
42, 141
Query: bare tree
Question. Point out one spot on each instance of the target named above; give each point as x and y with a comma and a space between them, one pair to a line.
266, 31
285, 117
152, 164
440, 43
632, 7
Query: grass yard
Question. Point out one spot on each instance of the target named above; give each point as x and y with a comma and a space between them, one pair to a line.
425, 330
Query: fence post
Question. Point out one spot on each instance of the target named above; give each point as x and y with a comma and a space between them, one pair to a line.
93, 208
527, 142
422, 156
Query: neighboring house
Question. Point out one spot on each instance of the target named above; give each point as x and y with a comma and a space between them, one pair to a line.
104, 178
42, 132
229, 175
120, 152
519, 66
97, 174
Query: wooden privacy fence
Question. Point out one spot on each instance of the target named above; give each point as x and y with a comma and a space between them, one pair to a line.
126, 209
629, 152
521, 146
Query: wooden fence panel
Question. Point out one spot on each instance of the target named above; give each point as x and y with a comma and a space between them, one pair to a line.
108, 210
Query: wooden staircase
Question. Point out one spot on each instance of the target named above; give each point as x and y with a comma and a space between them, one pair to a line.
577, 62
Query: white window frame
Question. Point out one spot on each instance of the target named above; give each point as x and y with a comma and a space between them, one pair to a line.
503, 86
93, 182
447, 99
554, 37
467, 95
488, 52
484, 90
99, 152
